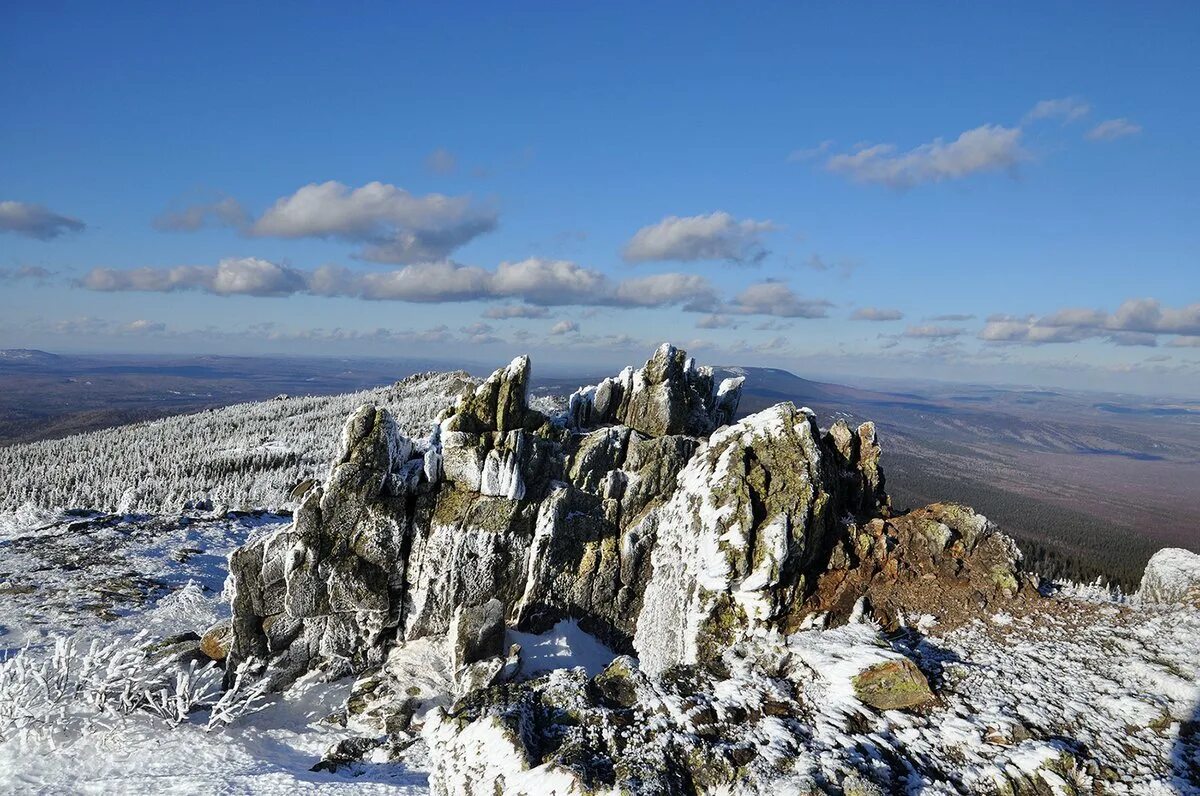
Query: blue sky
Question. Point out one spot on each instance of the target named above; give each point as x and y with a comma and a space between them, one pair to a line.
825, 188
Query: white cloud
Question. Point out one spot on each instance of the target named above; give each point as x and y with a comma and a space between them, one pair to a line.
247, 276
549, 282
777, 299
433, 282
564, 327
693, 291
535, 283
876, 314
224, 212
1135, 322
142, 326
987, 148
1113, 129
933, 332
36, 221
1067, 109
393, 225
716, 236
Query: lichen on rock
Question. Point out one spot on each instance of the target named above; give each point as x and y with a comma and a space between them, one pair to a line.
650, 515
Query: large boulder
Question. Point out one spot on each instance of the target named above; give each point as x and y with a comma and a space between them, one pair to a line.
1172, 576
944, 560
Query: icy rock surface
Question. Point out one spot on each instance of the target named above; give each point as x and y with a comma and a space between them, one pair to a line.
1172, 576
651, 533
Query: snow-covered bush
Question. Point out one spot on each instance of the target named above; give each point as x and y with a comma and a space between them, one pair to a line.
242, 457
76, 690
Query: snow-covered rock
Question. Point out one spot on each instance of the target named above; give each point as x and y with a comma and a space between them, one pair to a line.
1172, 576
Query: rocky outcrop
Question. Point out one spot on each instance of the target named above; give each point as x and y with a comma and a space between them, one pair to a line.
943, 560
657, 521
547, 517
643, 512
669, 395
1172, 577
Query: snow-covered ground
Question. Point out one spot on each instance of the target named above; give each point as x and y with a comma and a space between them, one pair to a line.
245, 456
1120, 680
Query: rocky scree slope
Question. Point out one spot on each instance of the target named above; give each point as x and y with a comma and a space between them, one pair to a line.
707, 550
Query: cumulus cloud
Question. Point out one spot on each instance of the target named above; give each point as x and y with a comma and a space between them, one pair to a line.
393, 225
1066, 109
1135, 322
876, 314
933, 332
425, 283
694, 292
564, 327
247, 276
548, 282
990, 147
1113, 129
534, 283
777, 299
36, 221
716, 236
224, 212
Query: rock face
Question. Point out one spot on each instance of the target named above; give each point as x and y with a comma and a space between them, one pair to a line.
641, 512
661, 526
670, 395
943, 559
1172, 576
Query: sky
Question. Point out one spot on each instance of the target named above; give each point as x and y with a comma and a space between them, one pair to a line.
999, 194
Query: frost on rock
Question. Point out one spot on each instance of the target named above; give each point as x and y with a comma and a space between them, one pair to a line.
630, 519
1172, 576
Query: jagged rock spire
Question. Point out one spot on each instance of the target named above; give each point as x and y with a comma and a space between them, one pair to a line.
668, 395
631, 515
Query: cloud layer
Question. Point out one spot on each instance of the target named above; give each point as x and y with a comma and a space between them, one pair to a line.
527, 286
389, 224
716, 236
1135, 322
393, 225
36, 221
876, 314
1113, 129
990, 147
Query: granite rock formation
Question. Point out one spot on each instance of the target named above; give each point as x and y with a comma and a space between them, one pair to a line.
641, 493
648, 514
